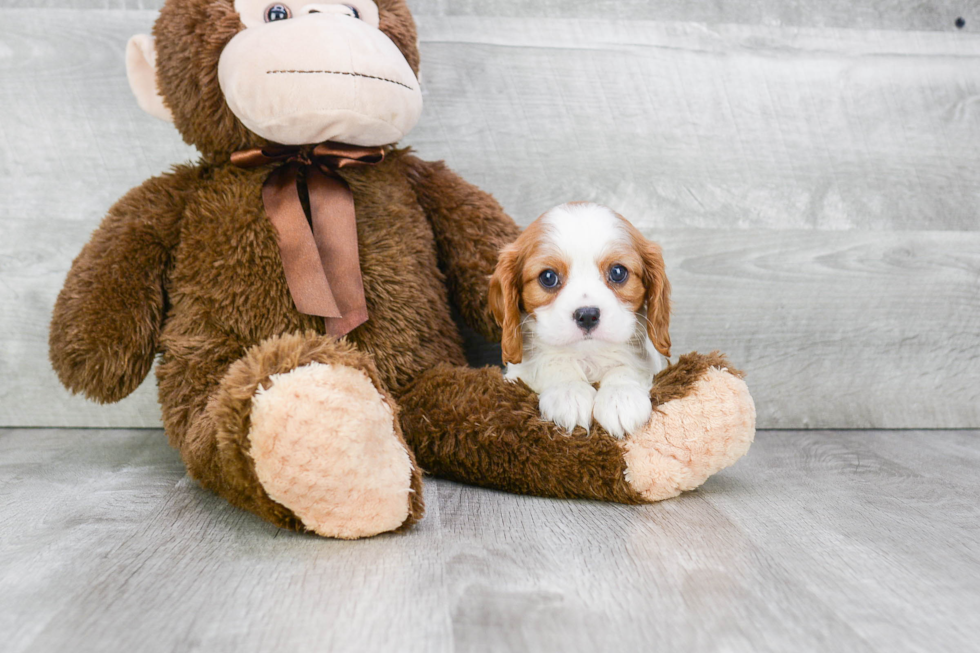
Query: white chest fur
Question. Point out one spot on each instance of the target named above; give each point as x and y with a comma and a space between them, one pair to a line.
588, 361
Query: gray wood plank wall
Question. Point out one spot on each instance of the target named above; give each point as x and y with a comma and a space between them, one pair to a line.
936, 15
810, 169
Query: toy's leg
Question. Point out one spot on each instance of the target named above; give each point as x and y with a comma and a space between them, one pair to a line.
703, 421
301, 432
472, 426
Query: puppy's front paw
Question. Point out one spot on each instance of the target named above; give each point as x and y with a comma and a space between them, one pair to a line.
622, 408
568, 404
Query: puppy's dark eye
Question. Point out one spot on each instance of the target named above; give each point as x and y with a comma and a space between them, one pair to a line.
354, 12
618, 273
548, 279
277, 12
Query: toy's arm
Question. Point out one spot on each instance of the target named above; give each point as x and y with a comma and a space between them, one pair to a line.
470, 229
107, 318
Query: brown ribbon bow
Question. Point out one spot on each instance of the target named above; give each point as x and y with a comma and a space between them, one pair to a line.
319, 255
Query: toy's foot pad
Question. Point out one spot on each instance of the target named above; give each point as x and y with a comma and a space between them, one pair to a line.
324, 446
689, 439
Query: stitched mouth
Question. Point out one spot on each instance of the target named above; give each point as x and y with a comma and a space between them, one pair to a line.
337, 72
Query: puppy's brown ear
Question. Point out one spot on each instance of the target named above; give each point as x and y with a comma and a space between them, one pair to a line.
505, 304
657, 295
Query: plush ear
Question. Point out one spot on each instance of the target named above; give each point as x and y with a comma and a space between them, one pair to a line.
657, 295
505, 299
141, 70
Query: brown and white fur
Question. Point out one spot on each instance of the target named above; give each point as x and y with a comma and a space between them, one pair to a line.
572, 318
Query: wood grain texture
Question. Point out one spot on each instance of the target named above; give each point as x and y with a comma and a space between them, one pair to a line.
816, 541
836, 329
810, 163
937, 15
710, 127
898, 15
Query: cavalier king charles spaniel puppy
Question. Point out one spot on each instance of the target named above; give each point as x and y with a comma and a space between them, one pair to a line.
582, 298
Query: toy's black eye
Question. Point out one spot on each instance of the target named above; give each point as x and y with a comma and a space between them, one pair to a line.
277, 12
354, 11
618, 273
548, 279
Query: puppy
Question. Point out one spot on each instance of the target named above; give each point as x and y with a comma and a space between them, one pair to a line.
582, 298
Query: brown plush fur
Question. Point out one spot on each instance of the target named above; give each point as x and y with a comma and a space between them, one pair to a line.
108, 333
187, 266
520, 452
677, 380
454, 421
468, 249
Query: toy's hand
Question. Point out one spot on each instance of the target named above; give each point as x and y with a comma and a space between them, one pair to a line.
568, 405
107, 319
622, 408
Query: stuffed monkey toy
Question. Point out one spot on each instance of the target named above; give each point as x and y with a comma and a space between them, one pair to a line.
296, 284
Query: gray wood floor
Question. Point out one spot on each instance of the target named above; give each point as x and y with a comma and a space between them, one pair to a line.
816, 541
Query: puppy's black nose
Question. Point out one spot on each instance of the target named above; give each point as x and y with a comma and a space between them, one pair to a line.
586, 318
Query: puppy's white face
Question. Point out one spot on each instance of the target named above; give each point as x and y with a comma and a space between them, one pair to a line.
588, 278
579, 276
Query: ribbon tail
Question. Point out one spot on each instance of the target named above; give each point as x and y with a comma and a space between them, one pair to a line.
335, 232
305, 276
